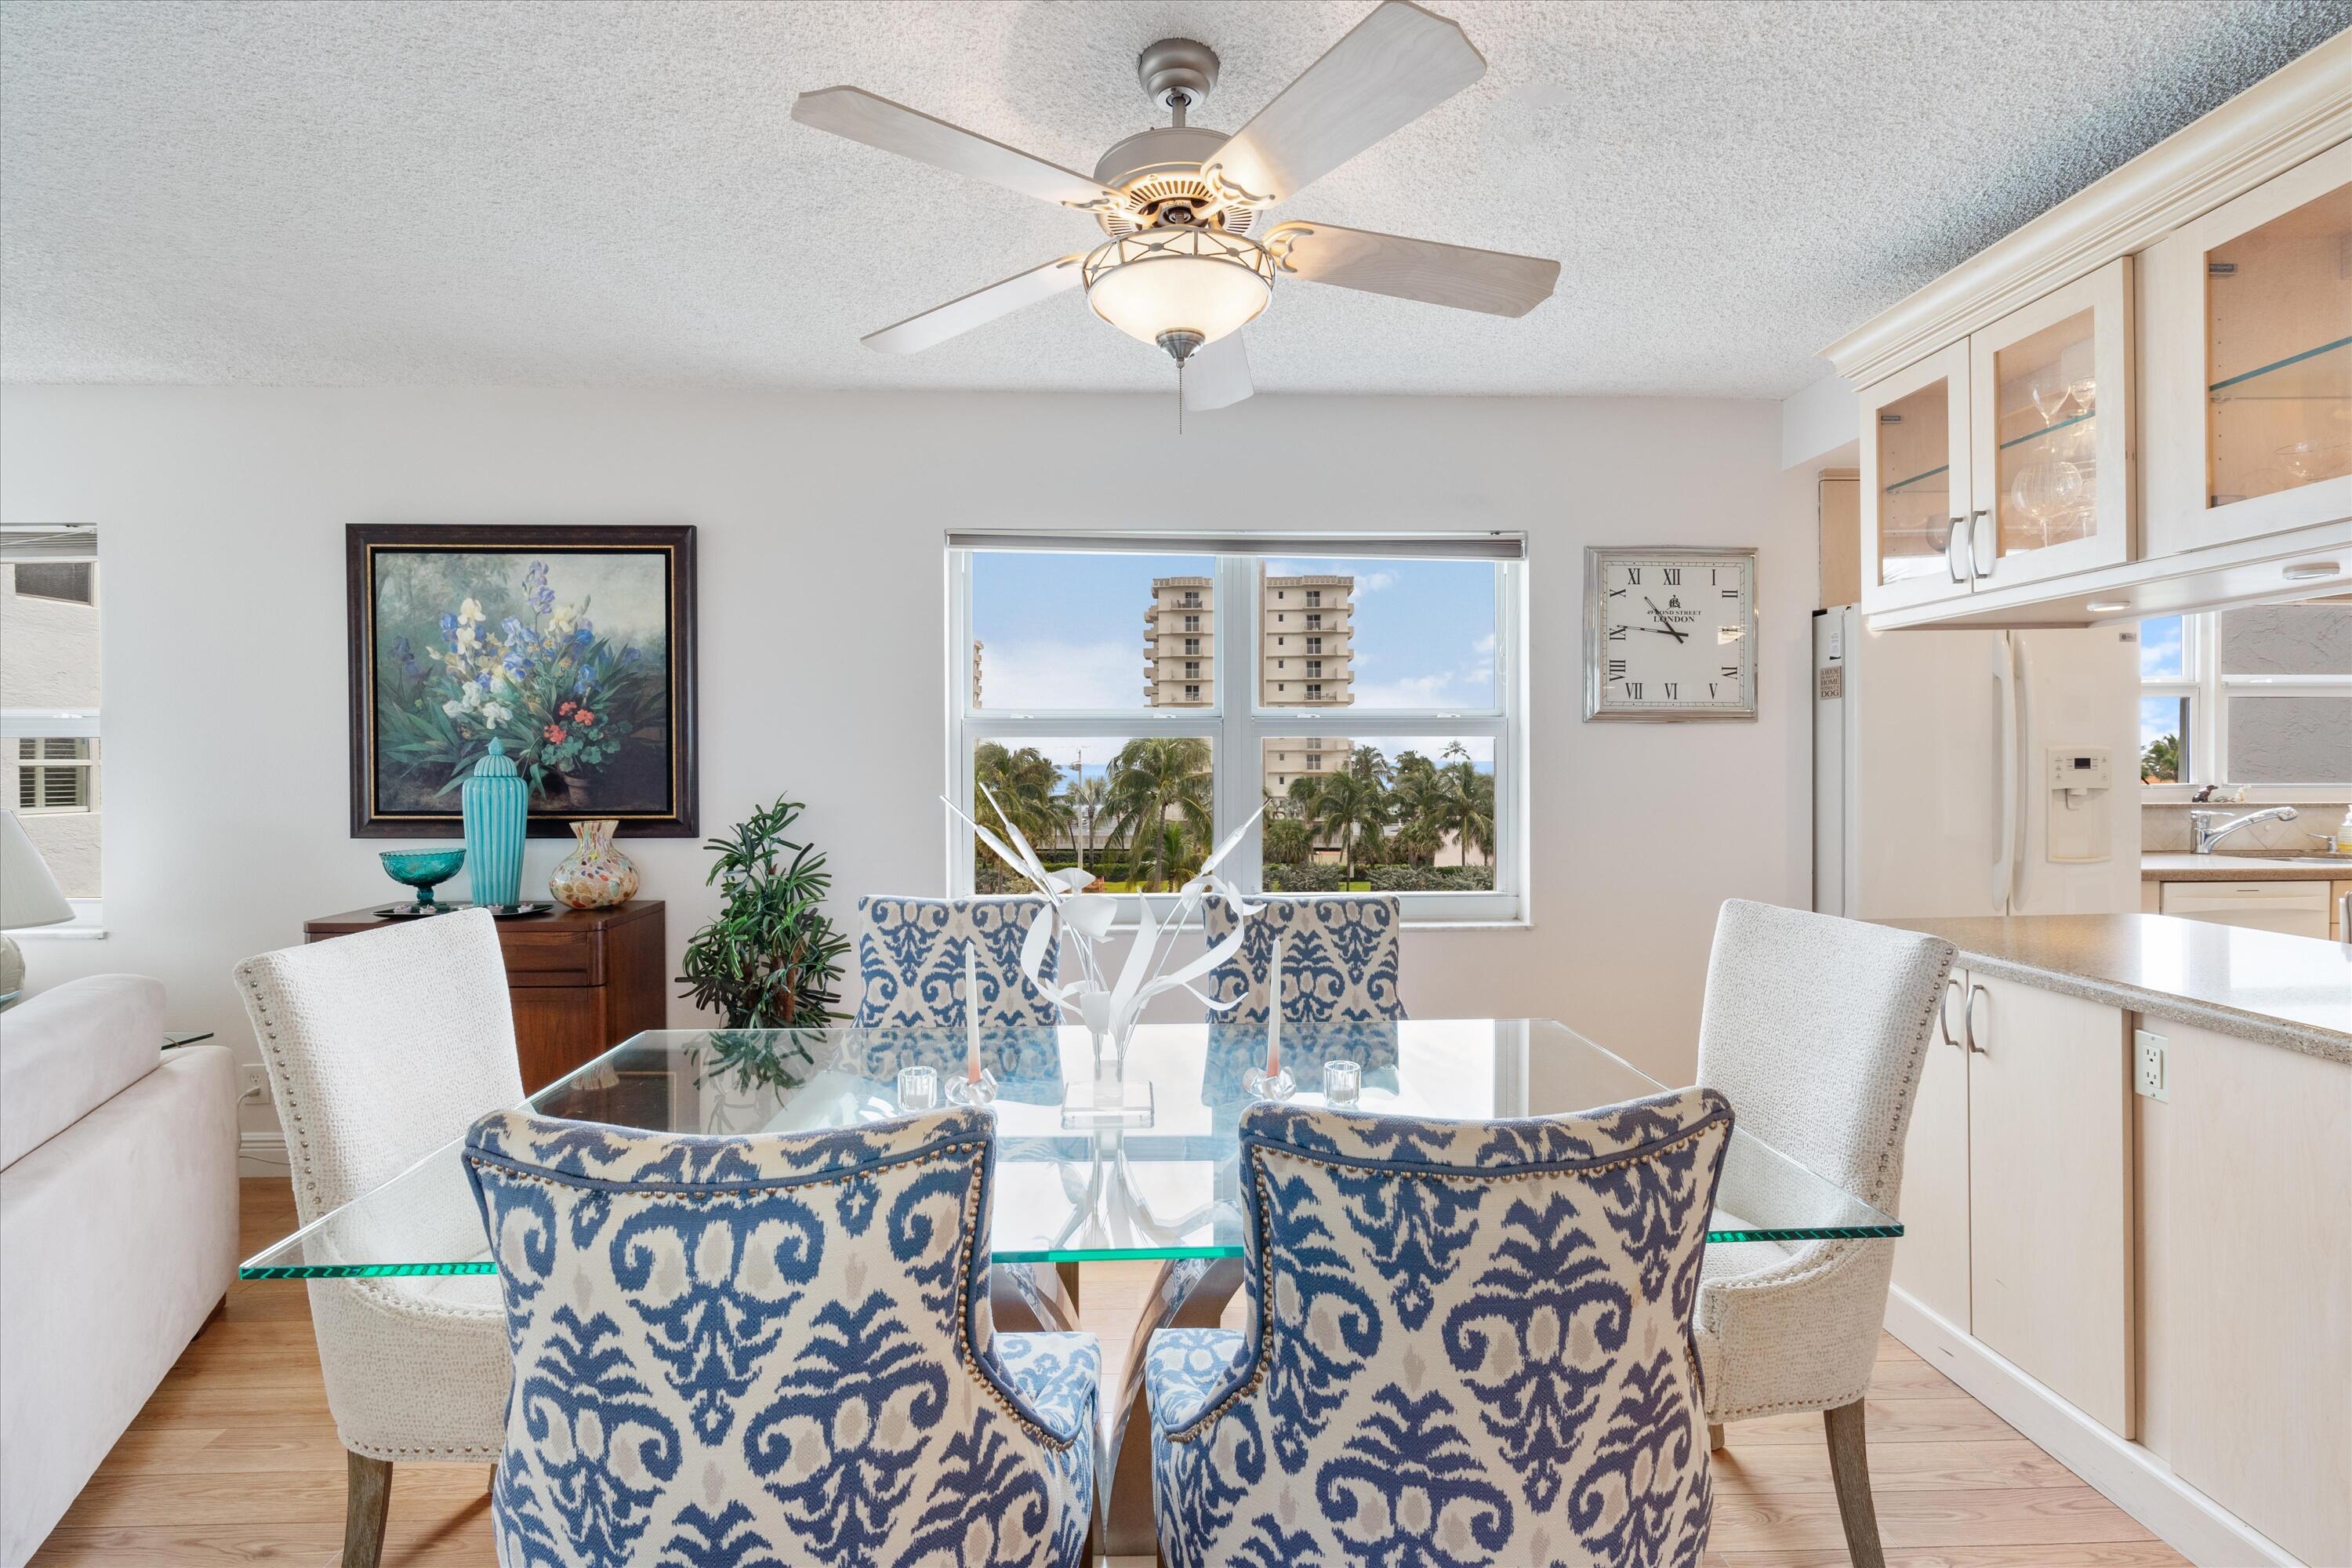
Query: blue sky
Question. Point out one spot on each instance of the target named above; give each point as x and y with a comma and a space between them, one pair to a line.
2160, 658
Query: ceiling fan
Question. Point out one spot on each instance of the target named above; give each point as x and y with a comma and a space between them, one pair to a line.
1190, 261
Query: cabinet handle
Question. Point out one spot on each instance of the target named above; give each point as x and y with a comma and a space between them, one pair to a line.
1944, 1014
1969, 1018
1956, 543
1978, 561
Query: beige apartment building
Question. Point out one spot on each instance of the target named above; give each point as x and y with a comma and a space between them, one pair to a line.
1306, 656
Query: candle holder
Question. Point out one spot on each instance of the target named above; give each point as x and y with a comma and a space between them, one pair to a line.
1343, 1084
1276, 1085
919, 1089
980, 1090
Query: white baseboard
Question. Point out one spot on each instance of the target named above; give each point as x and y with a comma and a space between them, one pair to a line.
261, 1154
2128, 1475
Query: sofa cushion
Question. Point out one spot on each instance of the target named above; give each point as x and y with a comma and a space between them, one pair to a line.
67, 1051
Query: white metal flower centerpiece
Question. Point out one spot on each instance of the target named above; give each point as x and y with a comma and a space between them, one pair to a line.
1111, 1008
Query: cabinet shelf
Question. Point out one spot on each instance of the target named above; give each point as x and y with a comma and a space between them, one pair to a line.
2324, 372
1921, 479
2046, 430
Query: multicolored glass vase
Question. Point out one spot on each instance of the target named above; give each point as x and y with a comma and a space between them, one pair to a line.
595, 875
496, 805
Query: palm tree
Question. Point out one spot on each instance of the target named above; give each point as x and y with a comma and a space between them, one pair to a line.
1087, 800
1352, 807
1154, 784
1419, 799
1024, 782
2160, 762
1467, 808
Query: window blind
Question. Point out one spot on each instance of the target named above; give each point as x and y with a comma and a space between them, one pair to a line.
1490, 546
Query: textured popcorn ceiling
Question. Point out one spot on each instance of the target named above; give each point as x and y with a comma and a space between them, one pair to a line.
591, 193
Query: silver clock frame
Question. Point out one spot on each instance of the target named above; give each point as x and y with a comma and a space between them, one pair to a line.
1595, 658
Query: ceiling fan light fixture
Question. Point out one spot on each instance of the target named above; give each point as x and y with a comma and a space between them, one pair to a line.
1176, 283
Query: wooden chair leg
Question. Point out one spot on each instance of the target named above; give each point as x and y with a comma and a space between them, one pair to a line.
1714, 1436
1850, 1470
367, 1503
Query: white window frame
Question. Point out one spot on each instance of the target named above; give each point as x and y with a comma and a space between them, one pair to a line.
2209, 691
69, 542
87, 765
1237, 726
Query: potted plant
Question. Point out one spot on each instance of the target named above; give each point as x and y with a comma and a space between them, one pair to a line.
771, 959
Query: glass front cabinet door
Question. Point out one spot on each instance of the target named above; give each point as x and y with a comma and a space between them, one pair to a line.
2050, 434
1914, 483
2248, 318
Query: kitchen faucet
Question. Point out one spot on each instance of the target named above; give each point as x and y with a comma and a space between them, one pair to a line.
2200, 823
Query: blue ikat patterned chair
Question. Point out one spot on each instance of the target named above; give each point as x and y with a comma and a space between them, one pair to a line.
910, 961
1339, 960
755, 1353
1478, 1353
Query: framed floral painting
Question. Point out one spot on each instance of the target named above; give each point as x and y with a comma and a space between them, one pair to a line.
574, 646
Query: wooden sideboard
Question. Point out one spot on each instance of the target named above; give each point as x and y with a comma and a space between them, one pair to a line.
582, 980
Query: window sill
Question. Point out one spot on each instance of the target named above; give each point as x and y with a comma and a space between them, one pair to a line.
59, 934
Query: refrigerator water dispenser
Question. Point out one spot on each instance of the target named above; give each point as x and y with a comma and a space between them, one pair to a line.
2081, 794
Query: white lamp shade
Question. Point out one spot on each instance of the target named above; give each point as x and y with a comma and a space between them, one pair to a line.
1179, 280
29, 896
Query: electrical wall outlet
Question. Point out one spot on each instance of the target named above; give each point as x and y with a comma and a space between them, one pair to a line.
253, 1082
2148, 1066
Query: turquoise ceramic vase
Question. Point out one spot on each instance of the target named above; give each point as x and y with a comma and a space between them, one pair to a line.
496, 805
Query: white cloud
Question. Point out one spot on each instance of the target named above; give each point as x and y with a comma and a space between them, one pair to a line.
1374, 582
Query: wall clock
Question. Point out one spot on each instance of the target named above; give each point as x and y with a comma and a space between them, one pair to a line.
1669, 633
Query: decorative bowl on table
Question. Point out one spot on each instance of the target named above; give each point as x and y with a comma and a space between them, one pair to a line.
423, 870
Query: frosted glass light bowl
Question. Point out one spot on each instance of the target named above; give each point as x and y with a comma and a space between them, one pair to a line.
423, 870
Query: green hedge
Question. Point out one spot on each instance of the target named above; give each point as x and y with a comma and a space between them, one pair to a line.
1433, 878
993, 875
1310, 878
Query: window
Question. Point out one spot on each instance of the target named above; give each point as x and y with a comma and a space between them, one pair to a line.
1314, 644
49, 703
66, 581
1192, 623
2255, 696
1313, 623
1314, 598
1428, 637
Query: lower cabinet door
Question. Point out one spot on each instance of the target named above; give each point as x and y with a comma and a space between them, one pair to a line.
1931, 1261
2049, 1193
2259, 1375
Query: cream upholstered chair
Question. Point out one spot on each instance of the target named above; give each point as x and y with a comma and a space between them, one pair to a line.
382, 1048
1815, 1029
910, 961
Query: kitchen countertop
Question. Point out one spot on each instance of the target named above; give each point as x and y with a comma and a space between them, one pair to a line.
2219, 868
2290, 991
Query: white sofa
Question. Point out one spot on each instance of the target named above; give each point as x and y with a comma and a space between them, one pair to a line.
118, 1229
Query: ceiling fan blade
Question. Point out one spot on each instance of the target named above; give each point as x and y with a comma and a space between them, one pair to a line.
1494, 282
941, 322
859, 115
1217, 376
1398, 64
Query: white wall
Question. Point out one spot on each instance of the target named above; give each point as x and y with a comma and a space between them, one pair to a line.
223, 511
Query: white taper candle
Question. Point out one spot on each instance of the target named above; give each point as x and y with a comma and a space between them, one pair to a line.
971, 1013
1274, 1015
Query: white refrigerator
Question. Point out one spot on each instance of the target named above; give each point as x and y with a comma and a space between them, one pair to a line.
1974, 772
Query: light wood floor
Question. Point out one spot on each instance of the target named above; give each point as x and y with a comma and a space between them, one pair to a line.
235, 1460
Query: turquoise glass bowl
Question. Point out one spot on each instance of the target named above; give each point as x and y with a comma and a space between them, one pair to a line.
423, 870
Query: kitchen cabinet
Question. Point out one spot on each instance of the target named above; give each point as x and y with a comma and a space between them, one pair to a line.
2249, 363
2258, 1253
2050, 1191
1931, 1261
2016, 1181
2006, 457
2140, 403
2050, 434
1914, 482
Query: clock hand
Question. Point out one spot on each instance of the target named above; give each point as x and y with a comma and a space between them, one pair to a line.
1678, 637
1653, 631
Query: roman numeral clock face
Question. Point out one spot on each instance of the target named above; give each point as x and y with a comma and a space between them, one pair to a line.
1670, 634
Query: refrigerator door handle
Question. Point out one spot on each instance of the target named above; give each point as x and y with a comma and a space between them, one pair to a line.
1960, 560
2004, 862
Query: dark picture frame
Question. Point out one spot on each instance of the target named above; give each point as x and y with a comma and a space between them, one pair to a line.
431, 681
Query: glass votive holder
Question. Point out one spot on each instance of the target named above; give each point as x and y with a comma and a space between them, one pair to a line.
919, 1089
1343, 1083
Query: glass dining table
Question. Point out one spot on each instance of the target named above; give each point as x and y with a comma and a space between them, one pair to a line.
1063, 1196
1169, 1190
